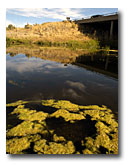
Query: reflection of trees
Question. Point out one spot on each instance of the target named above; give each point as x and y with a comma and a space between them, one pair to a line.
28, 55
12, 54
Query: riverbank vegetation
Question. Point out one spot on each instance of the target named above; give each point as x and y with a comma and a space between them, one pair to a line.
57, 34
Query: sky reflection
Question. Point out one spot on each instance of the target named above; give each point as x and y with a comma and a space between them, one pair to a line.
35, 79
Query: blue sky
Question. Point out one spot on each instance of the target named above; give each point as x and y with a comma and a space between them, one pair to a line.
21, 16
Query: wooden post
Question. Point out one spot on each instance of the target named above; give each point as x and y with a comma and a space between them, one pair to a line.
111, 30
106, 64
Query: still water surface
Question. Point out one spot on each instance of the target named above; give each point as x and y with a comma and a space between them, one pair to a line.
32, 78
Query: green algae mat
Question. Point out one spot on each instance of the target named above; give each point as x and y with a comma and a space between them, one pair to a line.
60, 127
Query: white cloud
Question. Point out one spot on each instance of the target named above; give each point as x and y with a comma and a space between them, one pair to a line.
76, 85
25, 67
22, 64
16, 24
70, 92
54, 66
55, 13
9, 22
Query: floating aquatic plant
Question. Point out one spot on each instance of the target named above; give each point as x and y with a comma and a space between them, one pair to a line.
17, 145
42, 147
19, 102
71, 129
62, 104
67, 115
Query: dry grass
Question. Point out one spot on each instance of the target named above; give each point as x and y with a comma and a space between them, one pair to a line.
52, 31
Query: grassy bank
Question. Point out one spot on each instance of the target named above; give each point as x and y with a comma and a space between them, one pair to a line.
12, 41
71, 44
57, 34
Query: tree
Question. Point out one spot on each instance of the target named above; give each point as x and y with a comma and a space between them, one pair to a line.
28, 26
10, 27
68, 18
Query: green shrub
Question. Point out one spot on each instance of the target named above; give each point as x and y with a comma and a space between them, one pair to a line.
11, 41
73, 44
28, 26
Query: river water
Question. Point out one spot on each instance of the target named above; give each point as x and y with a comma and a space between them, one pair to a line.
34, 78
